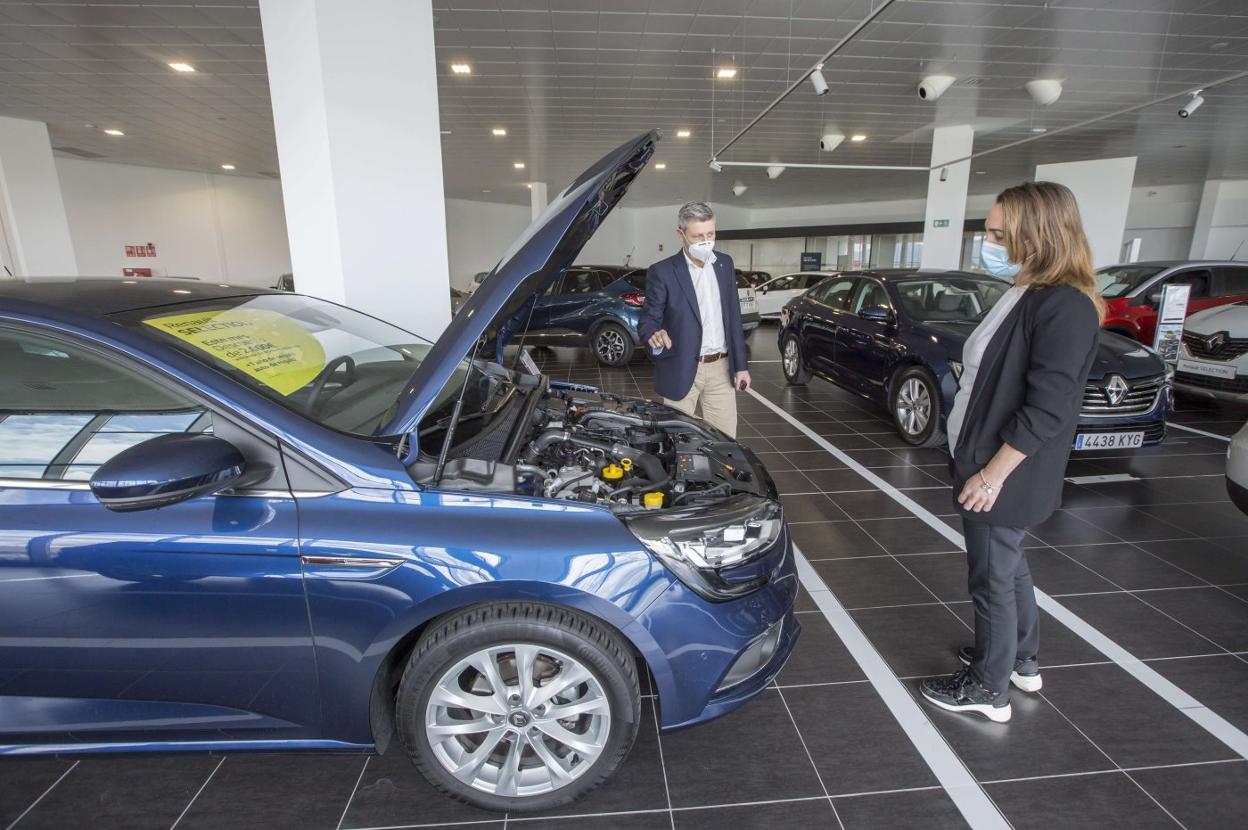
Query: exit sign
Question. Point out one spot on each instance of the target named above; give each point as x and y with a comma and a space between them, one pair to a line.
940, 223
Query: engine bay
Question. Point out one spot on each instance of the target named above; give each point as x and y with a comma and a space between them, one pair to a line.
593, 447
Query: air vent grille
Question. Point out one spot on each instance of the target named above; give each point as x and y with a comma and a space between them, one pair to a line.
79, 152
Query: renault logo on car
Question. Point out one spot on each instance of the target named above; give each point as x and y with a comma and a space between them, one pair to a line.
1116, 390
1214, 342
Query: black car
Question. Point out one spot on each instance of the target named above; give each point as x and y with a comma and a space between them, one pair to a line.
896, 337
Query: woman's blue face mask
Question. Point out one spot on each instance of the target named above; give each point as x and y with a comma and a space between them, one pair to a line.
996, 260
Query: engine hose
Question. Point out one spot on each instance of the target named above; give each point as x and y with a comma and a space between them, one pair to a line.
650, 464
640, 488
533, 470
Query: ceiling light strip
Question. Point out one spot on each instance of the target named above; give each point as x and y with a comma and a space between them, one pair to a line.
1125, 111
866, 21
908, 168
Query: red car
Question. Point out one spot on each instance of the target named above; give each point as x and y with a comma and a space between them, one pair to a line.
1132, 291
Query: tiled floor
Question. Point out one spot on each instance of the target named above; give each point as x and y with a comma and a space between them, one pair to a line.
1158, 564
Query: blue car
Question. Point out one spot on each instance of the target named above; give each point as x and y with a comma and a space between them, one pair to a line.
896, 337
243, 519
591, 305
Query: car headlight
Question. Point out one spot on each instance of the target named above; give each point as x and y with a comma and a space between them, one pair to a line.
698, 545
955, 366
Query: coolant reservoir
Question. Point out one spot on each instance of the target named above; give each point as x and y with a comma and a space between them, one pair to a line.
612, 472
652, 499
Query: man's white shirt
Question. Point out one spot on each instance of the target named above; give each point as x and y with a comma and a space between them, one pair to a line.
710, 307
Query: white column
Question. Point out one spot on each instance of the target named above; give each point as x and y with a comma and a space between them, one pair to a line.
1222, 222
537, 198
946, 197
1102, 187
32, 213
355, 108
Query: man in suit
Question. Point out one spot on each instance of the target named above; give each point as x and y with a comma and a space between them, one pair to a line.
691, 321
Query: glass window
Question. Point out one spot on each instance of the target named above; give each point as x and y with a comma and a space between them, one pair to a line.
582, 282
1200, 279
1121, 280
835, 293
65, 409
785, 283
1234, 280
949, 299
871, 294
637, 279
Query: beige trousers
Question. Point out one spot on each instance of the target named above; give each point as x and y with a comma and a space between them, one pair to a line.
712, 387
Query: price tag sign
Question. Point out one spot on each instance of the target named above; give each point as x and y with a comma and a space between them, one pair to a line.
1170, 317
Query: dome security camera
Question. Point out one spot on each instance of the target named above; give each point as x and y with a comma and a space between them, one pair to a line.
934, 86
774, 171
738, 189
818, 82
1044, 92
830, 141
1192, 105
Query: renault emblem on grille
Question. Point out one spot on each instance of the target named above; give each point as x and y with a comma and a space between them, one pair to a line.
1116, 390
1215, 342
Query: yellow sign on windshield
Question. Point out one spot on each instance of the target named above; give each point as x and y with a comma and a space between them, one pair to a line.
268, 346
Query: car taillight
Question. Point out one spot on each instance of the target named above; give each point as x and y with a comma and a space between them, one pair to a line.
634, 299
784, 316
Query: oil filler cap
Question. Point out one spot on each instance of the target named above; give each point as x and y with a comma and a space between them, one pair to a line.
612, 472
652, 499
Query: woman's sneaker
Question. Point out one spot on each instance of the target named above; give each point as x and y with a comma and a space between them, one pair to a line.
1026, 674
961, 692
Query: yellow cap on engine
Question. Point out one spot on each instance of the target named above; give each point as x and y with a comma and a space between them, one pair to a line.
652, 499
612, 472
626, 463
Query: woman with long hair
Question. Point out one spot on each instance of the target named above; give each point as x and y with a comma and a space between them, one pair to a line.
1010, 431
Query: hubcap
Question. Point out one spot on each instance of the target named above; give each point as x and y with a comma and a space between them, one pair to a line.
914, 406
518, 720
610, 345
791, 358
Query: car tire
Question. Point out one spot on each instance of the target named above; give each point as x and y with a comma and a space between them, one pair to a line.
795, 371
440, 737
914, 401
612, 344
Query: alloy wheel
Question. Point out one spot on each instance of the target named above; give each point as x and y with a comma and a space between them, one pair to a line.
914, 406
518, 720
610, 345
791, 357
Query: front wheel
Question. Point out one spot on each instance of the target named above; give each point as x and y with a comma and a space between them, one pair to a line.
518, 706
795, 371
613, 345
915, 404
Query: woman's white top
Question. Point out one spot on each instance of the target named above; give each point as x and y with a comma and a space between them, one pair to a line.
973, 356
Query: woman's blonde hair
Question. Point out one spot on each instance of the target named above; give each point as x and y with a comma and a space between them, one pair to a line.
1043, 230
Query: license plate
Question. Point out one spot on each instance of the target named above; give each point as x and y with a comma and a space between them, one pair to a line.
1109, 440
1212, 370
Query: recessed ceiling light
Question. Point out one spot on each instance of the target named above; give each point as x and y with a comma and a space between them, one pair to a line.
181, 67
499, 131
113, 132
660, 166
487, 191
1221, 44
980, 172
181, 291
726, 73
519, 165
461, 69
683, 134
1039, 129
858, 137
446, 132
227, 167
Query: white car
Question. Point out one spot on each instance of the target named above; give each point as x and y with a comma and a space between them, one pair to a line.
1213, 356
774, 294
1237, 469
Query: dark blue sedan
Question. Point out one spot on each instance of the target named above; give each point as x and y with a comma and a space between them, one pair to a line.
242, 519
896, 337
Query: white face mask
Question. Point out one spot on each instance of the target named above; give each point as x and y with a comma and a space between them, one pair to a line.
701, 250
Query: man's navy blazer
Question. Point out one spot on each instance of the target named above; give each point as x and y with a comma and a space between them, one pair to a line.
672, 304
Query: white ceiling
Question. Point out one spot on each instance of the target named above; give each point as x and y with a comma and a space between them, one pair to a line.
569, 79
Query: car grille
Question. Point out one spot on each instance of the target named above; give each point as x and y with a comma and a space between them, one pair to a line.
1237, 385
1227, 349
1141, 397
1153, 431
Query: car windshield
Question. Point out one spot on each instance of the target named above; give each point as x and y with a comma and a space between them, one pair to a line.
949, 299
337, 367
1121, 280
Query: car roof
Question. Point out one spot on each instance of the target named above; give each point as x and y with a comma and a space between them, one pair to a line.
1175, 263
901, 274
102, 296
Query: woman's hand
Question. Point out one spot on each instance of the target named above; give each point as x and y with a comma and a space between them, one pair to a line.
976, 497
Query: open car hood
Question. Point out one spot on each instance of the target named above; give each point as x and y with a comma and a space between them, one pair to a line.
549, 246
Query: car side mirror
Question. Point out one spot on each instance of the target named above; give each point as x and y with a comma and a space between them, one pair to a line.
878, 313
167, 469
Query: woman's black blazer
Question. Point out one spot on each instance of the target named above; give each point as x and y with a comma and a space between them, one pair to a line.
1028, 391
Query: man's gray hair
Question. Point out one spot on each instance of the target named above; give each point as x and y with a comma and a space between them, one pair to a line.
693, 212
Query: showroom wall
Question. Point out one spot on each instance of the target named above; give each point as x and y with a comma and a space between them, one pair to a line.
229, 228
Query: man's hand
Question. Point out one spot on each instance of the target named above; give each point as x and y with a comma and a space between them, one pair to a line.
742, 381
660, 340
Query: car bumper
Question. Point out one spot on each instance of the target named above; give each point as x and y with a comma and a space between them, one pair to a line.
1238, 494
1212, 389
1151, 423
703, 642
750, 321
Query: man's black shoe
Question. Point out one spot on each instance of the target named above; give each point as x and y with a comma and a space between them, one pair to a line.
961, 692
1026, 674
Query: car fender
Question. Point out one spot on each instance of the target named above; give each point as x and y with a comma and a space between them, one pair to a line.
629, 325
